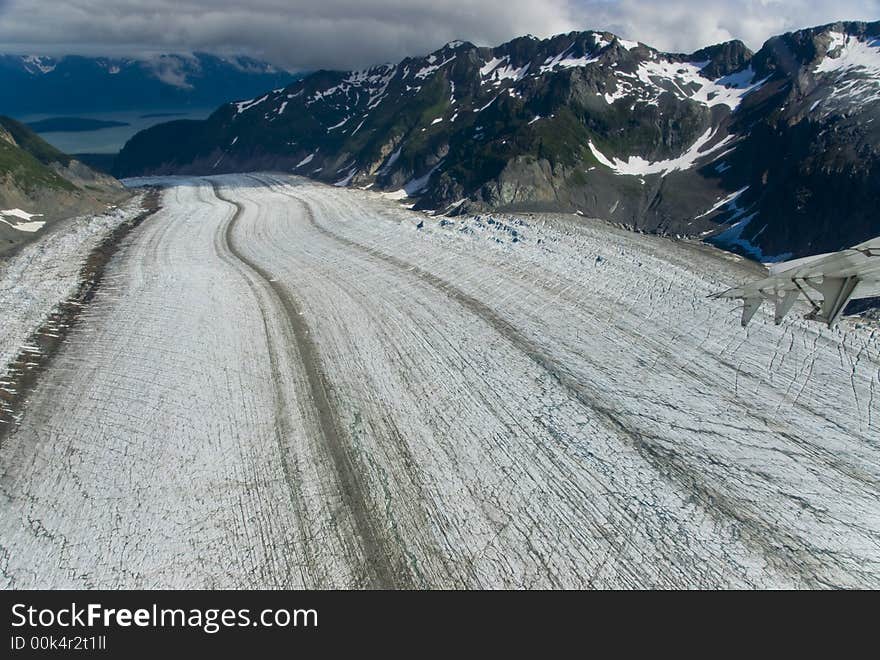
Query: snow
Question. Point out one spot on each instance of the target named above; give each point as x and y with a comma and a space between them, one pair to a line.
499, 423
739, 219
685, 81
854, 67
639, 166
43, 273
491, 65
395, 195
572, 62
534, 119
495, 98
27, 226
437, 121
389, 162
24, 226
658, 76
18, 213
344, 181
335, 126
620, 92
42, 64
429, 70
848, 52
500, 74
731, 198
305, 161
418, 184
733, 237
244, 106
348, 91
564, 61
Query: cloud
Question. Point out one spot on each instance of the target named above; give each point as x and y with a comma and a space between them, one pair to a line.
297, 34
310, 34
687, 25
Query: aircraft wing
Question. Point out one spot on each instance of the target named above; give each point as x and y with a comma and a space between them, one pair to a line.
827, 281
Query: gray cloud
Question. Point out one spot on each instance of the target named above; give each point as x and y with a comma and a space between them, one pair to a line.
686, 25
308, 34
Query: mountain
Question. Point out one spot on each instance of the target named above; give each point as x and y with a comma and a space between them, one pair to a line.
38, 181
772, 154
73, 84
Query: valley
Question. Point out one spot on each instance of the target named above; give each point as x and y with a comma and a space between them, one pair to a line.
282, 384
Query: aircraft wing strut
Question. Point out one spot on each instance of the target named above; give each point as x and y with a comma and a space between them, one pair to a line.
827, 281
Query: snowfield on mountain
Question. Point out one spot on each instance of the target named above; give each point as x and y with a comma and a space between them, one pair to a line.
586, 122
282, 383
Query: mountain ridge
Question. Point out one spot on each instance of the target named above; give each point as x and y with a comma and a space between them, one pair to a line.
77, 84
772, 154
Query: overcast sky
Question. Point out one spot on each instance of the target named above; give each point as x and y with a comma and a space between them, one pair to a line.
309, 34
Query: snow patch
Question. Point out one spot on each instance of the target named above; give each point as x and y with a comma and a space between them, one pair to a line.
854, 66
732, 197
685, 81
639, 166
488, 104
389, 163
41, 64
490, 66
305, 161
344, 181
335, 126
417, 185
28, 225
395, 195
424, 72
244, 106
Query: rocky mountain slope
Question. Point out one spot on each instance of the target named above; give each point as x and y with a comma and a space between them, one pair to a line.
773, 154
73, 84
40, 185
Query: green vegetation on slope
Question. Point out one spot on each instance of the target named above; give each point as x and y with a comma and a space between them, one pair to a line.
33, 144
26, 163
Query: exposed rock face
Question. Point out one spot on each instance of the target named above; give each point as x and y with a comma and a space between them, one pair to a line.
771, 154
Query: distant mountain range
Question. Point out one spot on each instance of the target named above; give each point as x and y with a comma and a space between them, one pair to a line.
772, 154
73, 84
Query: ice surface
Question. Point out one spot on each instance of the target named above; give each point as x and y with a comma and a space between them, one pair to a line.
42, 274
541, 401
